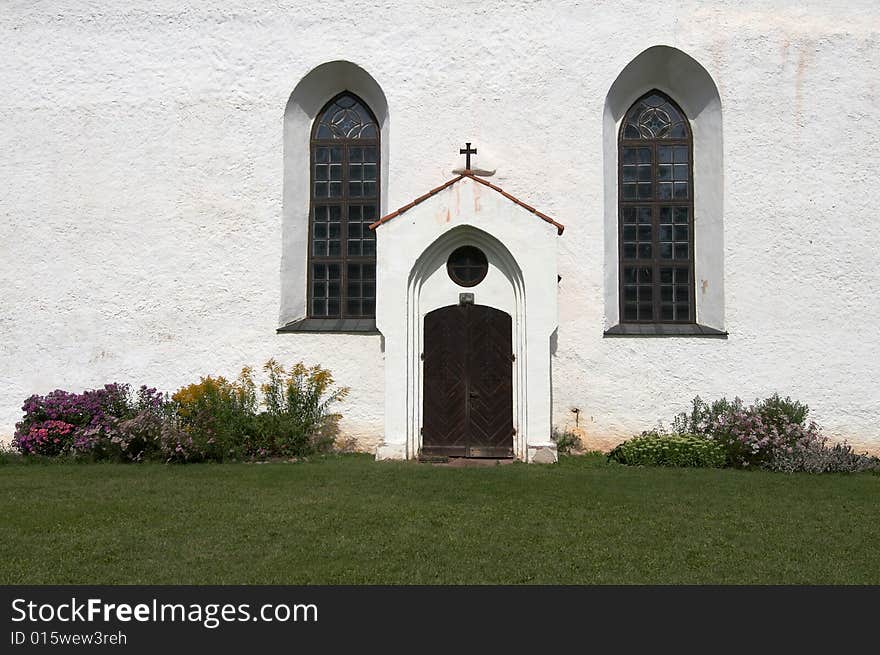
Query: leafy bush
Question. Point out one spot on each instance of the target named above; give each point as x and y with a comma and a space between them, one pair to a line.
816, 456
64, 423
216, 419
47, 438
749, 440
8, 454
124, 435
704, 416
782, 412
657, 449
567, 441
772, 433
297, 420
750, 435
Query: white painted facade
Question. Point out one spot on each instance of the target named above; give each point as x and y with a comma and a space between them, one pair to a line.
154, 163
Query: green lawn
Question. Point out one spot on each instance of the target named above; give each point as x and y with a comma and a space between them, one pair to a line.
349, 520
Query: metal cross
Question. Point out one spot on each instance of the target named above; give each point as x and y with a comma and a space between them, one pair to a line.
467, 151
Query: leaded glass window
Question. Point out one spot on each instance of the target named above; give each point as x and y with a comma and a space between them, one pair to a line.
656, 208
344, 201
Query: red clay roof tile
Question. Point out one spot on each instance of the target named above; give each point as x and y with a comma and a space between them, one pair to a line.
440, 188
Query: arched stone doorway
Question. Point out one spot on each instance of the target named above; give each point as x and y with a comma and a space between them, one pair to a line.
414, 280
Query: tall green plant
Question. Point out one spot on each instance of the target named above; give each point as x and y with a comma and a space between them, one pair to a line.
298, 419
217, 416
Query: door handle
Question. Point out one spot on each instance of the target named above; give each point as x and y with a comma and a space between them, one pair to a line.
474, 394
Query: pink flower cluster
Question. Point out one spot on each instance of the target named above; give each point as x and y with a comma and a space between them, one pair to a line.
46, 438
62, 422
752, 440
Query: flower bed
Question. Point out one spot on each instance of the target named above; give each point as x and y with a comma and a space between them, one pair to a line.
772, 433
211, 420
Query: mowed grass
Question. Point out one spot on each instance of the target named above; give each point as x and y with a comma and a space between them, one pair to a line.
350, 520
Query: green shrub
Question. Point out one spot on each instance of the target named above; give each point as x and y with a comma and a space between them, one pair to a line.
816, 455
704, 416
750, 435
222, 419
774, 411
8, 455
782, 412
567, 441
298, 420
655, 449
215, 418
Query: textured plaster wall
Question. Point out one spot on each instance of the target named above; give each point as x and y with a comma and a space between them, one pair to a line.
141, 159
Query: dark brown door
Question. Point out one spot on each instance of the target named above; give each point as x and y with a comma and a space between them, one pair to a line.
468, 390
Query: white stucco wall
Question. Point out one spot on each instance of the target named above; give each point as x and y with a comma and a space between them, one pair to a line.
142, 157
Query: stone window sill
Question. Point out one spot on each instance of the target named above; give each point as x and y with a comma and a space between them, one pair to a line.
344, 325
663, 330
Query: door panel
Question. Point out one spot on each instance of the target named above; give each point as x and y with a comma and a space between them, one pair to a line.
468, 382
445, 386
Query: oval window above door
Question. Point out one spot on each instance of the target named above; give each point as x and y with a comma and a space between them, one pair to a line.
467, 266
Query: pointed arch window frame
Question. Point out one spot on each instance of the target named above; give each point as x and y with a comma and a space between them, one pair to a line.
647, 269
366, 280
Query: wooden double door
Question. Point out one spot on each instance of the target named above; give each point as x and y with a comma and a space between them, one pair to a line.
468, 382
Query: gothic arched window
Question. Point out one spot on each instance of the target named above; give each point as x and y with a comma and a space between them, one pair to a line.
656, 220
344, 193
